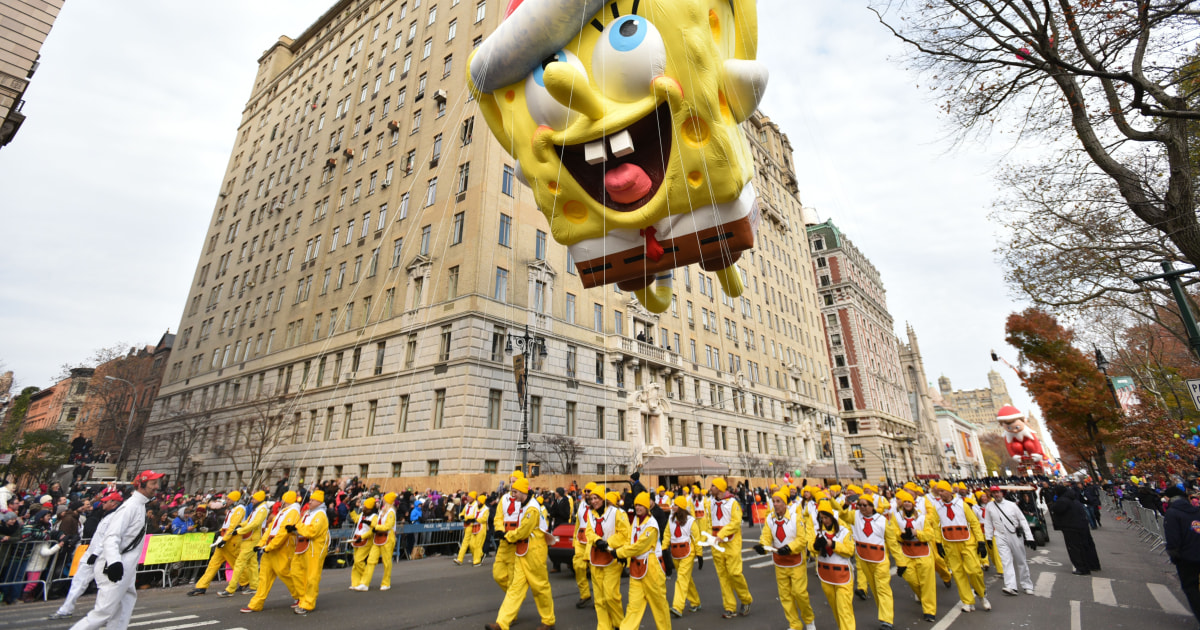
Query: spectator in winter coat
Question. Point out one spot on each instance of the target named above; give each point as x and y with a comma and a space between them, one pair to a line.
1181, 528
1070, 517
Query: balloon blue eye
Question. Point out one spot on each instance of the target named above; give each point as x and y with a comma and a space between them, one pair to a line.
539, 71
627, 32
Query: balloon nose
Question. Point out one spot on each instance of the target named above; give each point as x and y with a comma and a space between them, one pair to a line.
570, 86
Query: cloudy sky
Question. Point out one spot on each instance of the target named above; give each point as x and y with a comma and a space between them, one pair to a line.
111, 181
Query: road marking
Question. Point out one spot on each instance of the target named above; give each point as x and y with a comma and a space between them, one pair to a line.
1102, 591
190, 625
146, 623
1075, 622
1045, 584
151, 614
1166, 599
945, 622
764, 563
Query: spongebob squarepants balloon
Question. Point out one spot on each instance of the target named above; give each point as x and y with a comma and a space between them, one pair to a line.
623, 117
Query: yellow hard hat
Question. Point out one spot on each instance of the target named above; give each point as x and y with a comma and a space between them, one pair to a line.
642, 499
521, 485
389, 497
234, 496
259, 496
368, 503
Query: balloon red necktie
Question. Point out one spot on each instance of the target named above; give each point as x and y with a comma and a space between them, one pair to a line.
867, 527
678, 530
779, 533
512, 507
950, 511
654, 250
719, 514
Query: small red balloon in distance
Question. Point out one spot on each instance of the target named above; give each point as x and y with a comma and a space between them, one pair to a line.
1023, 54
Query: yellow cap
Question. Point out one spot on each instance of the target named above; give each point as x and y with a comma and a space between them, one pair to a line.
980, 494
517, 474
598, 490
472, 494
670, 495
904, 495
970, 500
368, 503
541, 500
720, 483
809, 489
870, 488
317, 495
289, 496
521, 485
912, 487
681, 502
943, 485
695, 489
782, 494
960, 486
482, 499
642, 499
259, 496
852, 489
661, 489
613, 498
825, 506
773, 487
587, 488
835, 488
389, 497
866, 497
234, 496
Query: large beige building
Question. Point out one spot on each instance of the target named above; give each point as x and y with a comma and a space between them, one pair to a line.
979, 406
371, 249
24, 25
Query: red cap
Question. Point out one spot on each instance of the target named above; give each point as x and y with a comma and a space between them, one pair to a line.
994, 489
147, 475
112, 496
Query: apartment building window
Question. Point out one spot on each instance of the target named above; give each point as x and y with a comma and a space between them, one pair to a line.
397, 245
618, 322
490, 466
539, 246
621, 424
329, 424
452, 283
495, 398
372, 409
535, 414
480, 11
600, 368
597, 318
456, 232
848, 404
500, 293
403, 206
380, 348
433, 465
444, 346
464, 177
439, 408
839, 360
402, 417
505, 234
431, 192
418, 287
539, 296
467, 131
571, 354
844, 382
570, 418
507, 177
447, 64
396, 468
570, 315
347, 410
410, 350
426, 233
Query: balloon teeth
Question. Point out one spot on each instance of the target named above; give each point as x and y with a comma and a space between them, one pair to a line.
594, 152
621, 143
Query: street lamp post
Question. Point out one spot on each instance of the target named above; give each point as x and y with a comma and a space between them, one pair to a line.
128, 423
521, 348
1171, 275
887, 475
1102, 365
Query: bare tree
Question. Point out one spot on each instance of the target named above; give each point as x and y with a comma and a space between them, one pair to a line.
187, 427
259, 426
562, 448
753, 465
98, 357
1115, 76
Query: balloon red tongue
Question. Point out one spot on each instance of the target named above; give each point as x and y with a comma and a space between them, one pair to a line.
627, 183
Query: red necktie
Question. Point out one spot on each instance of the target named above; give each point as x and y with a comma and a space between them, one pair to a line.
950, 511
599, 526
678, 530
719, 514
867, 527
908, 523
512, 507
984, 511
779, 533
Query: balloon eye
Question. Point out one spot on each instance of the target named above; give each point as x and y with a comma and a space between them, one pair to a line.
539, 71
627, 33
627, 57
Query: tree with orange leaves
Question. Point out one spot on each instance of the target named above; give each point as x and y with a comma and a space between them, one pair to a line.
1064, 381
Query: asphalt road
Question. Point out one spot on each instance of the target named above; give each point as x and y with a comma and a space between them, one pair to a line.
1136, 589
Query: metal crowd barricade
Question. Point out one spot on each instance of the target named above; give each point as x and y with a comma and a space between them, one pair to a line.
438, 536
16, 558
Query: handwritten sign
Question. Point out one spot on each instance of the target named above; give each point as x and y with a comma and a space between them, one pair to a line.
163, 549
196, 546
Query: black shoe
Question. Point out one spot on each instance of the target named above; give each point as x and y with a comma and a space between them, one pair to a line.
946, 583
883, 625
744, 611
861, 594
930, 618
1078, 572
584, 603
225, 594
197, 592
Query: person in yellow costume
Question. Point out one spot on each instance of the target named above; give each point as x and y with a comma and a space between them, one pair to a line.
870, 548
927, 504
789, 535
833, 545
607, 531
477, 530
245, 572
910, 537
312, 544
278, 549
682, 540
361, 543
383, 542
469, 514
226, 547
508, 516
579, 561
528, 542
982, 503
727, 528
647, 581
961, 542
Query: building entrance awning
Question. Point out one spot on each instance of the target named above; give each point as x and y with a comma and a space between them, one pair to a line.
684, 465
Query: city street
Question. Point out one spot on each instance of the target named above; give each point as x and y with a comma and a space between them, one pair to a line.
1135, 590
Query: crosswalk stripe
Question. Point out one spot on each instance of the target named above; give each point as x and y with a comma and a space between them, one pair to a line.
1076, 622
764, 563
1166, 599
946, 621
168, 619
1045, 584
1102, 591
190, 625
151, 614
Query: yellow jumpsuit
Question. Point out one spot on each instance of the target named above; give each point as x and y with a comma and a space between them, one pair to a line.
792, 581
939, 563
468, 517
307, 564
962, 556
478, 538
579, 562
277, 557
993, 557
685, 585
916, 559
245, 572
529, 571
727, 524
508, 514
227, 553
847, 514
362, 531
385, 522
645, 547
839, 596
606, 579
871, 558
699, 509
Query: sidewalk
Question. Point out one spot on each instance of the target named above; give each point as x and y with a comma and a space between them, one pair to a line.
1125, 557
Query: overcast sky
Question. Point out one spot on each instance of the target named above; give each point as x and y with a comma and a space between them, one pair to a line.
109, 185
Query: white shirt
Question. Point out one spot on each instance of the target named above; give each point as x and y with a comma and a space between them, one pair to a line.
125, 526
1010, 521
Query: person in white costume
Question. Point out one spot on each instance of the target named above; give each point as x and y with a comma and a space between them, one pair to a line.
1011, 534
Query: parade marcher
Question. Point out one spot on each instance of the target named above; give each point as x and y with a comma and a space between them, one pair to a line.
833, 545
383, 543
528, 542
961, 543
508, 516
469, 513
87, 564
647, 582
117, 557
682, 538
579, 561
277, 548
312, 543
226, 547
245, 572
608, 530
927, 503
870, 548
478, 529
361, 543
726, 518
910, 534
1011, 534
790, 536
983, 501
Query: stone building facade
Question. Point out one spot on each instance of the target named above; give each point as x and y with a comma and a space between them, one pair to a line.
927, 453
372, 249
978, 405
59, 406
23, 30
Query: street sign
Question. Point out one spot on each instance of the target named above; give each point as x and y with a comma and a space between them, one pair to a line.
1194, 388
5, 459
